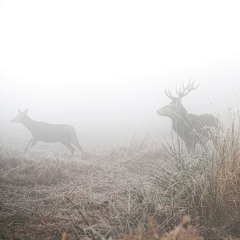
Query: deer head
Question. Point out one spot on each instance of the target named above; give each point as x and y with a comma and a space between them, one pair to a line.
20, 116
175, 108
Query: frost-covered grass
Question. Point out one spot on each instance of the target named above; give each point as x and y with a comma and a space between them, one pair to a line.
142, 191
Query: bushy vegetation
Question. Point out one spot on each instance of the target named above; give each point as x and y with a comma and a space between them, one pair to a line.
143, 191
205, 184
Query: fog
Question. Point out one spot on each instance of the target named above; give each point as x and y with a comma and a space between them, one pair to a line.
103, 68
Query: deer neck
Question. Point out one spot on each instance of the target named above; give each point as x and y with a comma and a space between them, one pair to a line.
180, 121
28, 123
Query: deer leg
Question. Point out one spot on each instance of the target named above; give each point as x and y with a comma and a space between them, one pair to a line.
26, 148
215, 143
191, 147
74, 140
69, 146
76, 143
31, 143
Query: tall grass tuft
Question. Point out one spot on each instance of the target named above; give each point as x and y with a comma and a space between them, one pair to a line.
204, 184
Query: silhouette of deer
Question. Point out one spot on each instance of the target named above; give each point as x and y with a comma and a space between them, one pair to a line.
191, 128
47, 132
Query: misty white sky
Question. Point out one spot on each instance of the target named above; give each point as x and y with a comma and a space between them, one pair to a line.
68, 41
91, 62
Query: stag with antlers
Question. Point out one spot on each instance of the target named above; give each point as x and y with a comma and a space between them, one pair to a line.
191, 128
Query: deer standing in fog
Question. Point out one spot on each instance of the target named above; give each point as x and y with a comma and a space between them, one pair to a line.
191, 128
47, 132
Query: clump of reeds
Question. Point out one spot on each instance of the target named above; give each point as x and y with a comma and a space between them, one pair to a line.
205, 184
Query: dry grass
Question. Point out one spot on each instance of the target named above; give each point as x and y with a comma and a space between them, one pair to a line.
94, 195
181, 232
136, 192
206, 184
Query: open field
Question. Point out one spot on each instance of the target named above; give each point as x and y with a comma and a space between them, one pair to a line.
45, 194
137, 190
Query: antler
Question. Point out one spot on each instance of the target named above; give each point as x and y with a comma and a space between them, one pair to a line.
169, 94
182, 91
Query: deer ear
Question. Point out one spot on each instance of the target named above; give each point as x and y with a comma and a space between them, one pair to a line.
19, 111
26, 111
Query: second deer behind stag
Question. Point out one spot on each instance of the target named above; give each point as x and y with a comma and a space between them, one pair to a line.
191, 128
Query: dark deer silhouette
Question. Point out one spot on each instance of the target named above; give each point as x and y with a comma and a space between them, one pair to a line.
47, 132
191, 128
